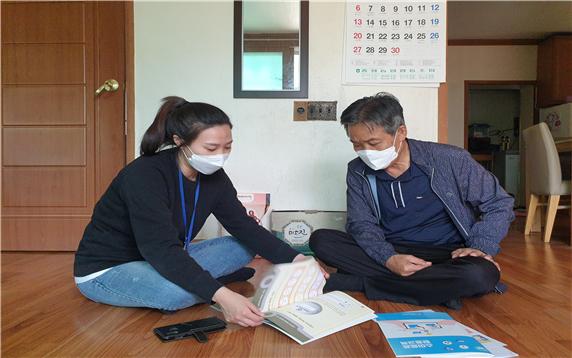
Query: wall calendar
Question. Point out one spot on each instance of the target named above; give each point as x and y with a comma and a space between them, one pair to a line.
395, 42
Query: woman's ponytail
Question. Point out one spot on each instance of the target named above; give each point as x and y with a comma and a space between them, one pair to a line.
184, 119
155, 137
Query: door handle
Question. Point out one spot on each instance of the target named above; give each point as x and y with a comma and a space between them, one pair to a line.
108, 86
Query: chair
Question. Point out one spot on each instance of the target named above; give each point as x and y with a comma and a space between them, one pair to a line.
544, 176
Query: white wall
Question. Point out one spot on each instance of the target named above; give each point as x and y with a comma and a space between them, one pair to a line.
482, 63
186, 49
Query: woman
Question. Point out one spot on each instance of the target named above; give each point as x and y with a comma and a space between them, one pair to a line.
137, 249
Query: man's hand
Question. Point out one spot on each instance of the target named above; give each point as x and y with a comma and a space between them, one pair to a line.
406, 265
237, 308
301, 257
467, 251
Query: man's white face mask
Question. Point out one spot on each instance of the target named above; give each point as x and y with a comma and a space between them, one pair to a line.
379, 159
206, 164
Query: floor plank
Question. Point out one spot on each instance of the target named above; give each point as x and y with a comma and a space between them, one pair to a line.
43, 314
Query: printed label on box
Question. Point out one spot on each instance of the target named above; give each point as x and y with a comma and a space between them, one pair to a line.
297, 232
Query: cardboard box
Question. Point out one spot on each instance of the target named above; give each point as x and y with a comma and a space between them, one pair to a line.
295, 227
257, 206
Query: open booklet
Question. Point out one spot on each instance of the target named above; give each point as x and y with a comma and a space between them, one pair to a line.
292, 300
435, 334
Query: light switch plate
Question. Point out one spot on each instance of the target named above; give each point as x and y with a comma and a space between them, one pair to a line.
315, 110
322, 110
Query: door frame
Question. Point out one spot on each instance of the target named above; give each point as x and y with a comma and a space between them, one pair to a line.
442, 114
467, 103
129, 82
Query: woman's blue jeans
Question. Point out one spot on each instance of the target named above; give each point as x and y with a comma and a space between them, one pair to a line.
138, 284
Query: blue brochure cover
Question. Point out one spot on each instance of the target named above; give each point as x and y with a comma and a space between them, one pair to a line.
428, 334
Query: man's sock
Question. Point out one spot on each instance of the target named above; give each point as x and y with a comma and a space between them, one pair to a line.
454, 304
242, 274
343, 282
167, 312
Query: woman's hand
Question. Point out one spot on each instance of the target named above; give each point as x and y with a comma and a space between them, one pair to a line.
237, 308
301, 257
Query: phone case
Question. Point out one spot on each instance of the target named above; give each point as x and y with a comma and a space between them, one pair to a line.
197, 329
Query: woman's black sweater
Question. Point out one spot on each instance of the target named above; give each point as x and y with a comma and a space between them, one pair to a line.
140, 218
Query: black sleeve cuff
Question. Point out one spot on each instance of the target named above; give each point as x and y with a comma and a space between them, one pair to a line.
205, 286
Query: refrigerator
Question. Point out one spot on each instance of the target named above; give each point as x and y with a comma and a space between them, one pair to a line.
559, 120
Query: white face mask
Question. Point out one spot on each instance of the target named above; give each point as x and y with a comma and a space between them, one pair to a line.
379, 159
206, 164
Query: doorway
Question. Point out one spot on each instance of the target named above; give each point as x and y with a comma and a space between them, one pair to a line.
496, 112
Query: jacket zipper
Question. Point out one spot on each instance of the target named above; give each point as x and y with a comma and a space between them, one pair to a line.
444, 203
377, 215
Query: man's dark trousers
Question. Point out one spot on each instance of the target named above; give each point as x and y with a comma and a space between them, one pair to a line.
444, 280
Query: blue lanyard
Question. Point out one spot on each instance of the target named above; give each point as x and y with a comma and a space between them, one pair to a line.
184, 209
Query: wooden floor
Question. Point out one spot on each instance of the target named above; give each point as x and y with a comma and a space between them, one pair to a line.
43, 314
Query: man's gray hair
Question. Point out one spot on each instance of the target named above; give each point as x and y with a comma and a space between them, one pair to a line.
382, 109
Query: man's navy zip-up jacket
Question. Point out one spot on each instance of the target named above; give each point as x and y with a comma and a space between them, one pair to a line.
472, 196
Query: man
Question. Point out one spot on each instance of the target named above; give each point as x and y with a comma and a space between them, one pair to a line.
424, 219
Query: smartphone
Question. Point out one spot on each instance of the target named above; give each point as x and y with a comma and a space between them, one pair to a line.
197, 329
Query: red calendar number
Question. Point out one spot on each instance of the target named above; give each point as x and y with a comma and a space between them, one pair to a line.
358, 22
395, 50
357, 49
358, 7
358, 35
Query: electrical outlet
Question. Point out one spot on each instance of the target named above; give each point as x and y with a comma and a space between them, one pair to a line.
322, 110
300, 110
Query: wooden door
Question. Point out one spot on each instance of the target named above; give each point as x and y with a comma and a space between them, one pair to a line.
61, 144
